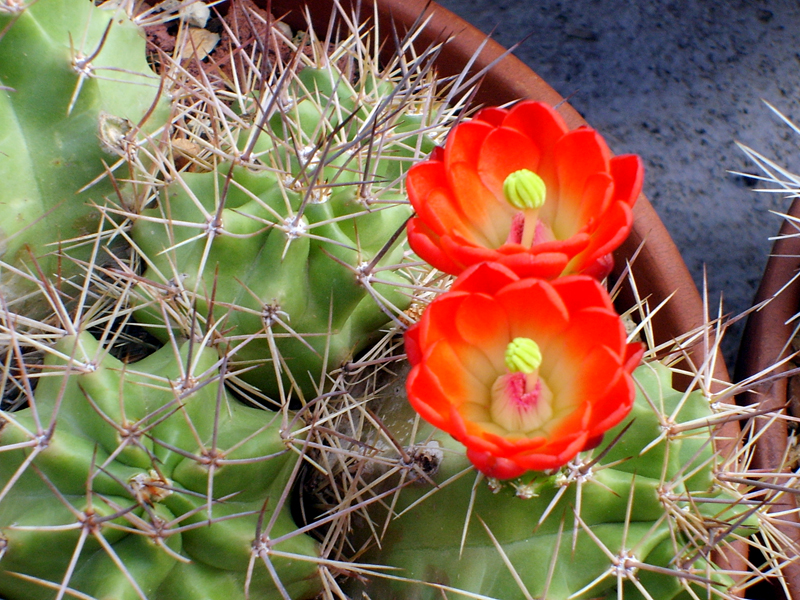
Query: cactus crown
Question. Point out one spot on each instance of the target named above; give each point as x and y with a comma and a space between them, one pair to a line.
279, 237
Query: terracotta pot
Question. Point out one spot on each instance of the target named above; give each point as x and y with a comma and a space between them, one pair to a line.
766, 340
659, 270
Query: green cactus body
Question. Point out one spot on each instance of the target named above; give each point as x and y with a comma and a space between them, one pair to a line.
63, 118
580, 533
177, 478
289, 263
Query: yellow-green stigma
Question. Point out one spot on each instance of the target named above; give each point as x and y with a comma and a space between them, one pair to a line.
523, 356
521, 400
524, 189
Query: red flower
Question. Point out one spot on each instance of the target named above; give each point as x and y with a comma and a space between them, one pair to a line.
464, 217
524, 372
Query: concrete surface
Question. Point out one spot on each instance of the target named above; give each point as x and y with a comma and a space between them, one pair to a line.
677, 83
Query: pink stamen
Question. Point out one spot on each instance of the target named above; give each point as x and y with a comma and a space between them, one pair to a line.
517, 227
541, 233
522, 399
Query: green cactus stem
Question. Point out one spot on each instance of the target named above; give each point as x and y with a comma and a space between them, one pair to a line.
151, 482
636, 513
293, 254
74, 89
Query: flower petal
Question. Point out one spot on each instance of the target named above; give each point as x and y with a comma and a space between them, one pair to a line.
488, 217
485, 278
439, 322
534, 310
591, 379
426, 396
429, 193
599, 269
464, 143
633, 356
461, 252
482, 323
547, 265
597, 197
503, 152
411, 340
554, 455
611, 231
494, 466
427, 245
579, 292
459, 384
615, 405
628, 173
593, 327
511, 445
471, 434
579, 154
492, 115
422, 179
544, 126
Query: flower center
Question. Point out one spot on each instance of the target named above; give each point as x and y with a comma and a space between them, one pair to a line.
526, 191
521, 401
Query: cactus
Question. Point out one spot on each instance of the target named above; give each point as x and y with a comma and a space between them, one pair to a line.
636, 512
263, 229
75, 89
152, 480
287, 243
660, 510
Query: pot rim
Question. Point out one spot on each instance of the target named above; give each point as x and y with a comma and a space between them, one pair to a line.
766, 341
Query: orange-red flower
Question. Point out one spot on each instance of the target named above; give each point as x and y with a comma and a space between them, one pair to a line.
465, 217
524, 372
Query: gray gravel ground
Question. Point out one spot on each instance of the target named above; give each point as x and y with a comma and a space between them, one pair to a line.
677, 83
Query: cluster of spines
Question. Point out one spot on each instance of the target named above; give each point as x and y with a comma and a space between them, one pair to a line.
302, 185
147, 475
